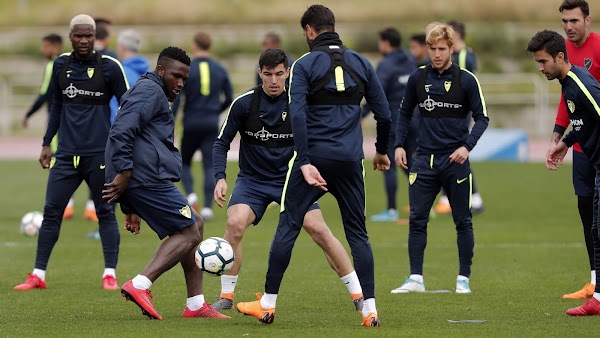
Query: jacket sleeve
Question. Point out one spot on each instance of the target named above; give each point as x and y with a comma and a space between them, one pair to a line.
562, 117
406, 110
118, 79
135, 112
228, 130
46, 91
55, 108
378, 103
227, 92
297, 96
477, 104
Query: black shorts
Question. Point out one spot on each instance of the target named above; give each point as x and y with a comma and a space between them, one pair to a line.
164, 208
583, 175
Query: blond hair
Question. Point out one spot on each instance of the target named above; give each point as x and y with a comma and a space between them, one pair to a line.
82, 19
438, 31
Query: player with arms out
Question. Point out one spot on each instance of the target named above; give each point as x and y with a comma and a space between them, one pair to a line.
581, 93
583, 47
141, 165
261, 117
326, 88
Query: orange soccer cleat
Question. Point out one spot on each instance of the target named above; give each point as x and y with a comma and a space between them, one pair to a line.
371, 320
255, 309
586, 292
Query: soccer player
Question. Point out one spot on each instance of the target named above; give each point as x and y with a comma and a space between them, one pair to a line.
261, 117
393, 72
581, 96
140, 142
207, 94
51, 48
84, 82
326, 88
444, 93
418, 48
582, 46
103, 28
464, 57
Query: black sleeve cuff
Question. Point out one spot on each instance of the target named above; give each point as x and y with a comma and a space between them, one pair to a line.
559, 129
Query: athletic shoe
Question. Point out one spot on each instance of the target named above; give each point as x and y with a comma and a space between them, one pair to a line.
90, 215
371, 320
223, 302
206, 311
254, 309
390, 215
586, 292
109, 282
462, 286
358, 301
69, 212
93, 235
206, 214
32, 282
589, 308
143, 299
196, 207
443, 207
410, 285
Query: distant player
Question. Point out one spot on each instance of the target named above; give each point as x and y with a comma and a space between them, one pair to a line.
207, 94
418, 48
261, 116
581, 94
445, 94
140, 142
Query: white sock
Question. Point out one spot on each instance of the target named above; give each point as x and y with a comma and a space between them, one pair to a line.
141, 282
192, 198
194, 303
268, 300
597, 296
352, 283
417, 278
461, 277
476, 200
40, 273
228, 283
71, 202
369, 307
444, 199
89, 205
593, 277
109, 271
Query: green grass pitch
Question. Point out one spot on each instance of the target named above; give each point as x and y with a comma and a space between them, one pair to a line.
529, 251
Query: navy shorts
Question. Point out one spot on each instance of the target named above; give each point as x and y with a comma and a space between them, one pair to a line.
164, 208
258, 196
583, 175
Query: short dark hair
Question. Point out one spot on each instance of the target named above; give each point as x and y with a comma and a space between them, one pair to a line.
101, 33
391, 35
319, 17
549, 41
202, 40
102, 21
272, 57
459, 27
171, 54
421, 38
52, 38
274, 37
572, 4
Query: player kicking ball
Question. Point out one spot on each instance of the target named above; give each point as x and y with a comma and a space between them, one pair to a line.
141, 165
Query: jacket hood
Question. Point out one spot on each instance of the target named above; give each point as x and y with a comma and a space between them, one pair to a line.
326, 39
137, 63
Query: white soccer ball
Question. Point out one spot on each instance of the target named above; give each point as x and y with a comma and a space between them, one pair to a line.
31, 223
214, 256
